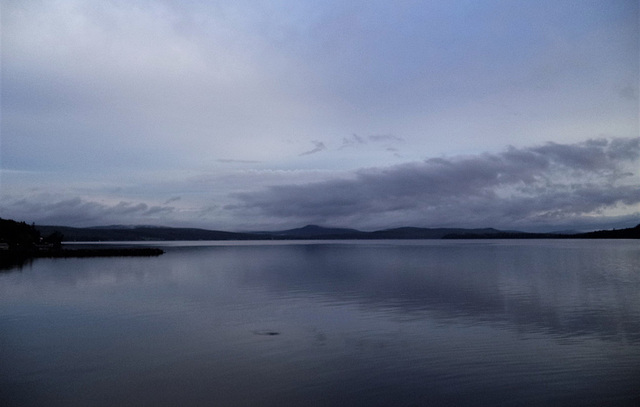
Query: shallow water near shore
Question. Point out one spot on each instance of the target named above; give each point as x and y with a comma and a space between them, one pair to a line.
354, 323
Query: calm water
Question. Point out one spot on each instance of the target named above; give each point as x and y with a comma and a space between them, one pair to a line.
380, 323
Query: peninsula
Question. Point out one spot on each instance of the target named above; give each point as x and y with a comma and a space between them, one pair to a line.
19, 241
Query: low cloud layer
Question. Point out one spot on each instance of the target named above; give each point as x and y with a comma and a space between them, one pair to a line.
78, 211
585, 185
549, 184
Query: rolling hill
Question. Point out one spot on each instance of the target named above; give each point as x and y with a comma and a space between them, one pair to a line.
312, 232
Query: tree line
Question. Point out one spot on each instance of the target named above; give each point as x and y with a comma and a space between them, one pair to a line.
19, 236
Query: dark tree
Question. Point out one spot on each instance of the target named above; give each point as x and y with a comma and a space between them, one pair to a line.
18, 235
54, 239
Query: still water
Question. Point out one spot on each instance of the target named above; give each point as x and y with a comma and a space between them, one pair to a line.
367, 323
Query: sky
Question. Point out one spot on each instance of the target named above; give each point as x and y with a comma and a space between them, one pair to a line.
253, 115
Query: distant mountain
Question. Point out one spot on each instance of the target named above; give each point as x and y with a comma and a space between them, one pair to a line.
315, 231
311, 232
116, 227
629, 233
319, 232
150, 233
429, 233
503, 235
142, 233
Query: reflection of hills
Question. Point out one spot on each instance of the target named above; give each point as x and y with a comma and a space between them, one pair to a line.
462, 285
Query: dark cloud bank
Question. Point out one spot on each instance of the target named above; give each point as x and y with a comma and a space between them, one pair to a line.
553, 184
81, 212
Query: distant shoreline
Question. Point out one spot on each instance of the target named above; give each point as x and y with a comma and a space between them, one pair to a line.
20, 241
313, 232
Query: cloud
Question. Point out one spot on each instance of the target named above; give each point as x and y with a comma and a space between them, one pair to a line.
389, 138
319, 146
352, 140
552, 183
78, 211
355, 140
151, 85
589, 184
172, 199
233, 161
629, 92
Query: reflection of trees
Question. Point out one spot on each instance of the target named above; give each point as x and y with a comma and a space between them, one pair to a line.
10, 262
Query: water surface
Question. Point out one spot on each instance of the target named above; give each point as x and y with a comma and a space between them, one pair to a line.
367, 323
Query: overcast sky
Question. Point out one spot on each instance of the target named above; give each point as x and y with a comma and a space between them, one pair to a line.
244, 115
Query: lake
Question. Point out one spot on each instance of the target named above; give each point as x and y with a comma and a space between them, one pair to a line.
319, 323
